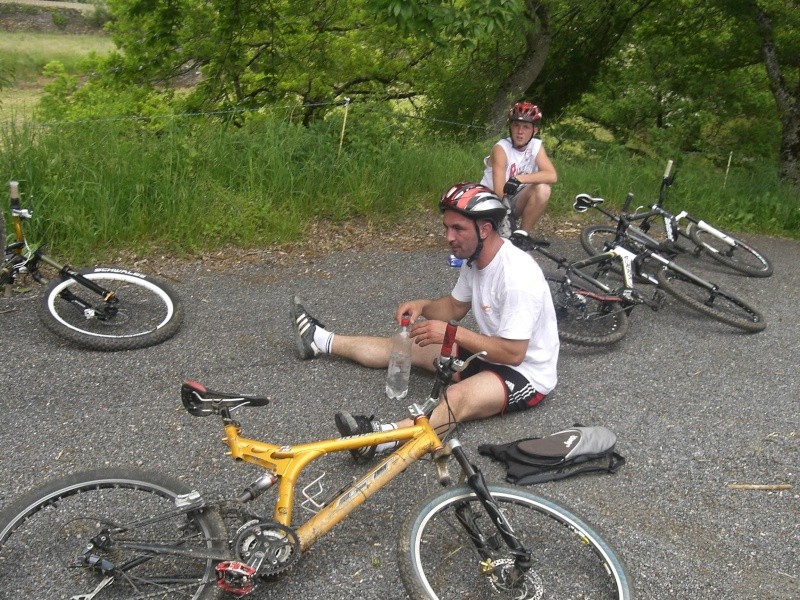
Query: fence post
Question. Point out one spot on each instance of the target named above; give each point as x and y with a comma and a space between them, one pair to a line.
727, 169
344, 123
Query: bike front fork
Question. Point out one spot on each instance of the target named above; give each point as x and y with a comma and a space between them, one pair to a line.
484, 544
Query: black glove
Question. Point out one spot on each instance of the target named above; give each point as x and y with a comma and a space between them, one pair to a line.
512, 186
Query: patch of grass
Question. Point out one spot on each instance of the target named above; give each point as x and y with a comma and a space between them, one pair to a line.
17, 104
193, 185
25, 54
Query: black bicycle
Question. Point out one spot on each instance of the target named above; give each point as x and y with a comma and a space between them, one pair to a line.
589, 311
642, 259
704, 237
102, 308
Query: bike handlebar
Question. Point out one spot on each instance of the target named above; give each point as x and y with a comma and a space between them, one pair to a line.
668, 169
14, 190
449, 340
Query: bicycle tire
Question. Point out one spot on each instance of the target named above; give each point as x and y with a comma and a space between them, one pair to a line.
717, 304
570, 559
584, 317
149, 311
740, 257
43, 534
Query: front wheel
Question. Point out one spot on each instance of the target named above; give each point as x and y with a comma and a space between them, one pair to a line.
51, 547
585, 317
711, 301
738, 255
147, 311
439, 559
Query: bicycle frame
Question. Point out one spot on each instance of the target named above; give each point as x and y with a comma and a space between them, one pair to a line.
287, 462
625, 257
651, 248
672, 222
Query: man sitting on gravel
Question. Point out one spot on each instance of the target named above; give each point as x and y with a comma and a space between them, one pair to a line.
510, 299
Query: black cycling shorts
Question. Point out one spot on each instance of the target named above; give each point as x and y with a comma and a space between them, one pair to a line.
520, 393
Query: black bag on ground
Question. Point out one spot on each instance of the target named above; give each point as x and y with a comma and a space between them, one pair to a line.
557, 456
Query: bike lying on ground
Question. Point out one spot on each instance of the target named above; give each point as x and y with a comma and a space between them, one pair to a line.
589, 311
104, 308
641, 260
705, 238
124, 533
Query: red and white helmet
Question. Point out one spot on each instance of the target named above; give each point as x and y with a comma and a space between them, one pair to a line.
475, 201
525, 111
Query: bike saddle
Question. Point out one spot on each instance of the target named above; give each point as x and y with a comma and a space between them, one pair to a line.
202, 402
584, 202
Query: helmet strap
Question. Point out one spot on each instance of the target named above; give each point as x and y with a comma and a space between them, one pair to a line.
478, 248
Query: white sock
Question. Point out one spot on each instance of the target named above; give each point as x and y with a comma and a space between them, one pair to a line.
323, 339
387, 445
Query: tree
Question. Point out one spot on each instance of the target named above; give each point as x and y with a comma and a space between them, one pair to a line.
250, 54
549, 50
780, 52
683, 78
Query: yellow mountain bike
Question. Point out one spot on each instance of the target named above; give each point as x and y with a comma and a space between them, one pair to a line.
125, 533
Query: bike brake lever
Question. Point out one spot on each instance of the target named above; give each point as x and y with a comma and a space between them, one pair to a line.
459, 365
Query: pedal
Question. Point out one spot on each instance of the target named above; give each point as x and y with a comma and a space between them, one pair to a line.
235, 577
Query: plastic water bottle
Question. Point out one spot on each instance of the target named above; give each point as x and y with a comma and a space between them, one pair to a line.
454, 261
400, 361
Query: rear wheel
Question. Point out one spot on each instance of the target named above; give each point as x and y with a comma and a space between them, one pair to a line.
715, 303
51, 545
440, 560
740, 256
585, 317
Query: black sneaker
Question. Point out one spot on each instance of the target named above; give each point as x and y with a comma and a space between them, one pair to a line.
350, 425
520, 239
304, 326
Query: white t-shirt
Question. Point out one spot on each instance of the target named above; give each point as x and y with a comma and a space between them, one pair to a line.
517, 161
510, 299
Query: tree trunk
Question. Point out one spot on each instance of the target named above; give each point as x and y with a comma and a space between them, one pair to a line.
537, 47
788, 104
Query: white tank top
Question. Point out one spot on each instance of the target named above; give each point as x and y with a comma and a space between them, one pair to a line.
518, 162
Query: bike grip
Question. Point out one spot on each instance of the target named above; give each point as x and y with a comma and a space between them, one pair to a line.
668, 169
449, 339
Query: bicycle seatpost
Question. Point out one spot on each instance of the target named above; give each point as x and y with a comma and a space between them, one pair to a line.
13, 187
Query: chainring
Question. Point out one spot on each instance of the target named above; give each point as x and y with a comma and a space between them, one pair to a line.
270, 547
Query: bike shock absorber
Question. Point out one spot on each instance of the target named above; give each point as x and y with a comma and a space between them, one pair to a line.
258, 487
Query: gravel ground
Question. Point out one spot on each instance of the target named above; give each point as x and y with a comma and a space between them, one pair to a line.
696, 407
